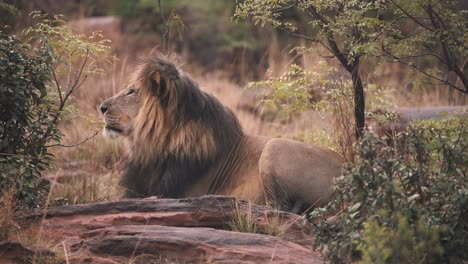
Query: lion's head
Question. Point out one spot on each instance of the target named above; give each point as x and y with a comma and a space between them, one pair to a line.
120, 111
163, 113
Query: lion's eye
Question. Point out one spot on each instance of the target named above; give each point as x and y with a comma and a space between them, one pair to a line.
131, 91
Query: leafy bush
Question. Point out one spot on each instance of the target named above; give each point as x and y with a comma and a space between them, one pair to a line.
399, 244
408, 192
25, 125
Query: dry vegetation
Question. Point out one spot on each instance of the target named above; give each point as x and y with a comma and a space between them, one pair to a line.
89, 172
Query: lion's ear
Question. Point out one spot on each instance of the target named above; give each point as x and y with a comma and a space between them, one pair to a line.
159, 84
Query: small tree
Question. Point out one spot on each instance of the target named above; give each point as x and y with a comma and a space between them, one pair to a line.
23, 116
436, 44
347, 29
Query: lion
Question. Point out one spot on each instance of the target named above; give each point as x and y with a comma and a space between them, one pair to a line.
183, 142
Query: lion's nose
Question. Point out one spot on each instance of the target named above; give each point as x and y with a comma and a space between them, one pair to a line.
103, 108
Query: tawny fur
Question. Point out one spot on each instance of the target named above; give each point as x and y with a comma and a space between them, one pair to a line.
184, 142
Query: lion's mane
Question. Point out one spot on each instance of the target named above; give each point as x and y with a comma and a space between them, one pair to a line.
178, 133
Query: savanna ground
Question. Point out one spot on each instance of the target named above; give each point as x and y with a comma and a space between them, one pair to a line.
87, 166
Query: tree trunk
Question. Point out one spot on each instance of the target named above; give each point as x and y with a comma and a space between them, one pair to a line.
359, 102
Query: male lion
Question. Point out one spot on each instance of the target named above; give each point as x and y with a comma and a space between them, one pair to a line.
183, 142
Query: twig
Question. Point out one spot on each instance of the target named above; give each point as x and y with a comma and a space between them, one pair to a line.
307, 38
63, 100
19, 155
57, 84
281, 9
73, 88
414, 66
411, 16
65, 252
423, 55
165, 26
74, 145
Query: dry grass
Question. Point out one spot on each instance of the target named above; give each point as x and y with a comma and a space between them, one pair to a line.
274, 225
7, 209
243, 219
148, 258
34, 237
88, 173
46, 259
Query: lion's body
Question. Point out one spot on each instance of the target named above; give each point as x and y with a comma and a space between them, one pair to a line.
184, 142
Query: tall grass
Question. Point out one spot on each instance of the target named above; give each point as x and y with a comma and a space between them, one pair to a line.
242, 219
7, 209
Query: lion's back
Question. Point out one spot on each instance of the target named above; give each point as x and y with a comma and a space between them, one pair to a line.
305, 172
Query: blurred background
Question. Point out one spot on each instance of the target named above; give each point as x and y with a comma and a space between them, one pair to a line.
224, 56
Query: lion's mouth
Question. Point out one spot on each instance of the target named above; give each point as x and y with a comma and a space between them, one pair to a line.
114, 129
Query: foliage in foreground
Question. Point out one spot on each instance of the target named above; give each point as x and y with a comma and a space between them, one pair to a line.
402, 203
25, 126
36, 84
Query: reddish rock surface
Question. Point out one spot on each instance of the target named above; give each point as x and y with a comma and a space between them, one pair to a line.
13, 252
153, 230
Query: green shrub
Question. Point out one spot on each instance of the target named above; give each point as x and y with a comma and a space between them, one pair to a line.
399, 244
420, 178
25, 124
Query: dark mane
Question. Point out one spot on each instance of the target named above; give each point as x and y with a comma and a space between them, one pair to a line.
179, 133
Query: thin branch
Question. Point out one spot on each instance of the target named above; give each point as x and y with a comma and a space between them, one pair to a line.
281, 9
80, 72
437, 56
81, 83
69, 70
19, 155
307, 38
411, 16
74, 145
67, 95
438, 23
326, 57
315, 14
391, 24
333, 47
165, 26
414, 66
58, 58
57, 84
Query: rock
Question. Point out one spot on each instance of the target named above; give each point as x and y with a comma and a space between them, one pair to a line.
191, 230
402, 116
189, 244
14, 252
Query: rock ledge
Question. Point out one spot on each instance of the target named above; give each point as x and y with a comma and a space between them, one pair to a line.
153, 230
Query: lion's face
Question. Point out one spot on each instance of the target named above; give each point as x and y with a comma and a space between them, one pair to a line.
120, 111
